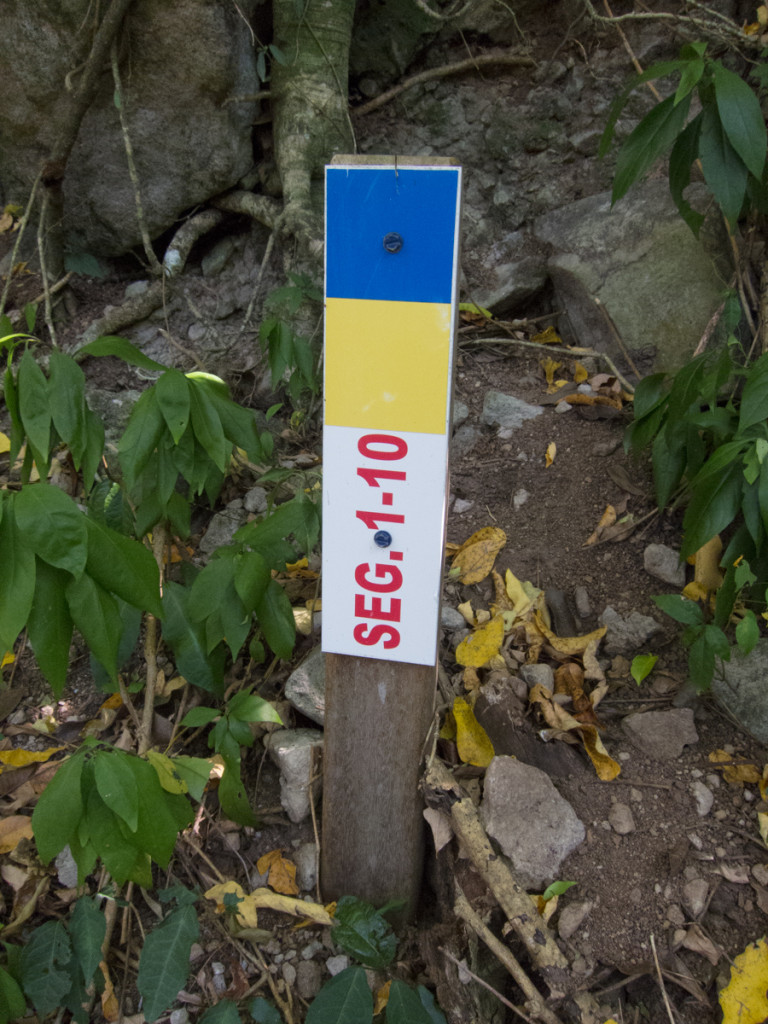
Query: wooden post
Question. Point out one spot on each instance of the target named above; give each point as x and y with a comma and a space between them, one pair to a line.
391, 285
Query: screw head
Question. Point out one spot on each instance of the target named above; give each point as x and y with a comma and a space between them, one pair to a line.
382, 538
392, 242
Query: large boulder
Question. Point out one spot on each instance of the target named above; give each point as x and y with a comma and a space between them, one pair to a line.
184, 67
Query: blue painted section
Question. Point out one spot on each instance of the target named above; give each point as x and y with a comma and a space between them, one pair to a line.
363, 205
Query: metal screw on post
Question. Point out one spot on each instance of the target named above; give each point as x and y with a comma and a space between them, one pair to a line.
382, 538
393, 242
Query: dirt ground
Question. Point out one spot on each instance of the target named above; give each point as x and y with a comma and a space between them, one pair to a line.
636, 882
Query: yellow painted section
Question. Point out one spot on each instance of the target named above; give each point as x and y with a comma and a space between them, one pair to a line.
387, 364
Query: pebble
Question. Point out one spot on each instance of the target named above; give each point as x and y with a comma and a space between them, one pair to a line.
581, 600
289, 974
695, 895
621, 820
308, 979
572, 917
675, 915
462, 505
337, 964
179, 1016
520, 497
704, 798
310, 949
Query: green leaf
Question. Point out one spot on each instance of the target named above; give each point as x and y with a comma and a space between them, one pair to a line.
52, 525
747, 632
224, 1012
714, 504
436, 1015
111, 345
659, 70
161, 814
59, 808
251, 578
404, 1005
173, 398
199, 716
95, 614
724, 171
123, 566
13, 1005
116, 786
17, 579
85, 264
679, 608
142, 435
345, 999
66, 395
642, 666
650, 140
34, 408
685, 153
206, 424
701, 664
741, 118
275, 616
186, 639
87, 929
130, 619
49, 625
94, 448
556, 889
691, 74
249, 707
263, 1012
232, 795
45, 970
164, 960
195, 771
363, 933
11, 395
668, 467
754, 398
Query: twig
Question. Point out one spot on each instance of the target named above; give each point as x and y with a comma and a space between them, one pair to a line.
48, 307
120, 103
17, 244
535, 1004
264, 261
470, 64
637, 65
312, 778
151, 641
485, 984
661, 981
617, 337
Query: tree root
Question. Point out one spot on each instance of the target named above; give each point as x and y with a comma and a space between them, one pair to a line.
539, 943
483, 60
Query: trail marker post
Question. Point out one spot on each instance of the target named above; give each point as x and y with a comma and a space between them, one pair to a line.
392, 231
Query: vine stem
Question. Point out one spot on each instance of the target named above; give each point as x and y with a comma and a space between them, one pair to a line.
159, 539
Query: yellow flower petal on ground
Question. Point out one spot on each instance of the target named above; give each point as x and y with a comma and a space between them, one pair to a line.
744, 999
479, 647
476, 555
472, 741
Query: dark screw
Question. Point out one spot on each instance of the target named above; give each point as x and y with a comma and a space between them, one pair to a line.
382, 538
393, 242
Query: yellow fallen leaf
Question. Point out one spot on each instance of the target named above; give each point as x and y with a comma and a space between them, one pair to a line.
290, 905
549, 366
606, 768
762, 825
169, 685
12, 830
547, 337
551, 452
479, 647
282, 872
476, 555
561, 720
763, 784
523, 595
574, 646
303, 563
608, 518
8, 659
735, 773
21, 758
382, 997
695, 591
110, 1005
466, 610
580, 373
5, 443
244, 913
470, 679
472, 740
706, 564
501, 599
744, 999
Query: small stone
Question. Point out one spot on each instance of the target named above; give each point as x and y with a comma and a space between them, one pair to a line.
289, 975
460, 413
571, 918
675, 915
255, 500
309, 979
538, 674
760, 871
581, 600
196, 331
704, 798
222, 528
136, 288
635, 796
721, 815
462, 505
661, 734
695, 895
506, 411
305, 859
179, 1016
621, 820
66, 868
625, 635
520, 497
296, 753
311, 949
678, 936
305, 688
214, 261
451, 618
664, 563
563, 407
337, 964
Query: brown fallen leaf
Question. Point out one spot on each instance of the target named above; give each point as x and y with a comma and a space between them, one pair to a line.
698, 942
281, 872
12, 830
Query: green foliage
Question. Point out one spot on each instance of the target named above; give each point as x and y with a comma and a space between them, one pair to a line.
642, 666
727, 135
291, 358
264, 1013
164, 961
108, 804
345, 999
12, 1001
363, 933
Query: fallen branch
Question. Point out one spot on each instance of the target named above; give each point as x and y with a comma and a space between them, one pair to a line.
521, 912
483, 60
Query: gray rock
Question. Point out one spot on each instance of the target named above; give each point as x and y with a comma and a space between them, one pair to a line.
664, 563
541, 674
337, 964
66, 868
309, 979
581, 600
462, 505
288, 972
739, 685
296, 753
520, 497
305, 859
703, 796
626, 635
534, 826
695, 893
620, 819
634, 257
465, 439
506, 411
222, 527
136, 288
661, 734
305, 688
572, 917
255, 500
451, 619
216, 259
460, 413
